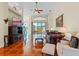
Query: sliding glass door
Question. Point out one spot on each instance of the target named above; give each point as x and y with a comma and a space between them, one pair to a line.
39, 29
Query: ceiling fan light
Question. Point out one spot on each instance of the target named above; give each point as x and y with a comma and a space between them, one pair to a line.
36, 10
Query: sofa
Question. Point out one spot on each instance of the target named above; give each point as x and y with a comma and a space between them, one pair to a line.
68, 47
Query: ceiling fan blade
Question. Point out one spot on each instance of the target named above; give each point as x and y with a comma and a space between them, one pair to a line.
40, 10
35, 9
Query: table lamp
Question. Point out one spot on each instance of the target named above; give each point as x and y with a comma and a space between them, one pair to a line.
63, 29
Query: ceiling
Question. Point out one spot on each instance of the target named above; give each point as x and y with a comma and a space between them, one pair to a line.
46, 6
29, 6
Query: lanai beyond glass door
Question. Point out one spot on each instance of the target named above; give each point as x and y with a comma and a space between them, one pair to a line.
39, 26
39, 29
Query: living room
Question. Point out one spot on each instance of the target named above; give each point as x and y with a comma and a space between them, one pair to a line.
64, 18
59, 19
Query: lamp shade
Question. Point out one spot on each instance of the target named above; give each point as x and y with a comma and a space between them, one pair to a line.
63, 29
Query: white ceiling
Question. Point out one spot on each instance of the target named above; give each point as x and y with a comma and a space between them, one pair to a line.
46, 6
29, 6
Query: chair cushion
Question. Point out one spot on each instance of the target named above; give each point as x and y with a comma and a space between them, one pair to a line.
66, 42
59, 49
77, 35
70, 52
49, 49
68, 36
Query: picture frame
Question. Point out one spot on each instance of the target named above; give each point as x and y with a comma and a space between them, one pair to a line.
59, 21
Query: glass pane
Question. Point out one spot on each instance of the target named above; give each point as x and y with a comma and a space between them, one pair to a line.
39, 24
34, 27
43, 24
43, 29
39, 29
43, 35
39, 35
35, 35
39, 18
34, 24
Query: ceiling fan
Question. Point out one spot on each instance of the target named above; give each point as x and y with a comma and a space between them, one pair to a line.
36, 9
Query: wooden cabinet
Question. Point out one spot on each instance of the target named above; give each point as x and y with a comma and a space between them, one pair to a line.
14, 32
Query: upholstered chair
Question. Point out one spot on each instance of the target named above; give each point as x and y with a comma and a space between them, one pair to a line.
66, 39
66, 50
48, 49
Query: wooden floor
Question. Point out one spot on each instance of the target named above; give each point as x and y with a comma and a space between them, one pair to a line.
17, 49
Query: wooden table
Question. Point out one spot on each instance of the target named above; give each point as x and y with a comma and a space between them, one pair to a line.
56, 37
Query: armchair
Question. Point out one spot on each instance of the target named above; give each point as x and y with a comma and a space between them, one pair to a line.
65, 50
48, 49
68, 47
66, 39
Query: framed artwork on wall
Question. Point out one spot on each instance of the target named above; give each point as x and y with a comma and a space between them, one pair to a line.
59, 21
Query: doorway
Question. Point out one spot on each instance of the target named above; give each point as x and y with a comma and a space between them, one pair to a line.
39, 27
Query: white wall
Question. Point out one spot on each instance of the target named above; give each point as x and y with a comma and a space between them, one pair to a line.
3, 26
71, 15
50, 20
